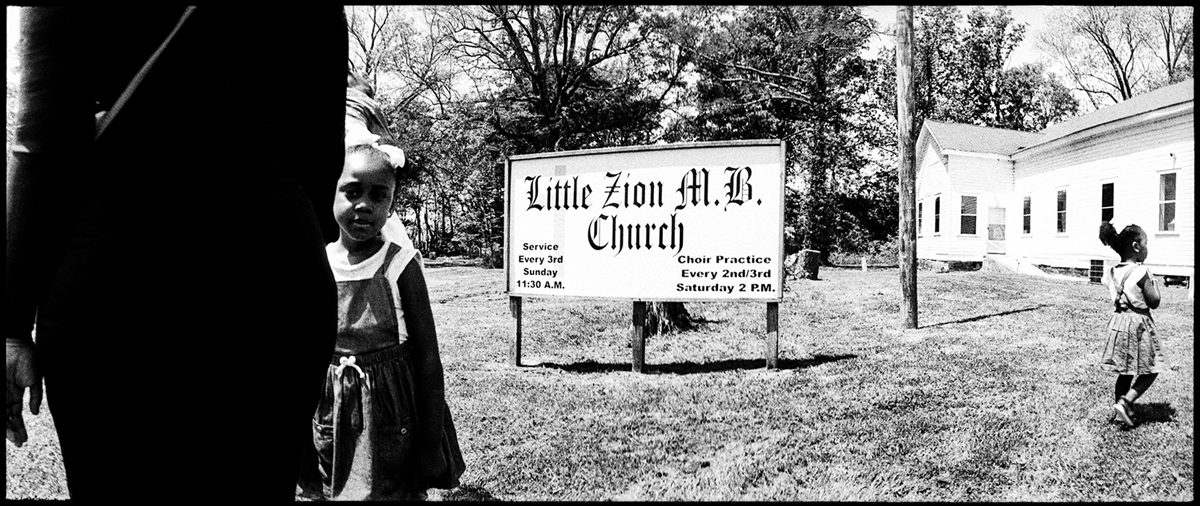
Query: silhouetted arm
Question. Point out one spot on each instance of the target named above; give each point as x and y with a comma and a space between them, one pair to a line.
54, 125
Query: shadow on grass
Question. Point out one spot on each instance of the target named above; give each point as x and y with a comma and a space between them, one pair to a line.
468, 493
1154, 412
982, 317
694, 368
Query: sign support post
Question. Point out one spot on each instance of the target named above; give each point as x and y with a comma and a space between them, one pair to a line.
772, 335
514, 349
639, 336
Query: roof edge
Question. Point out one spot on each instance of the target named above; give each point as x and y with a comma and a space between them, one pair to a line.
1182, 106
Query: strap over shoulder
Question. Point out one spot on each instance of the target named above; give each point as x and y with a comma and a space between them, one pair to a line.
1120, 285
106, 118
398, 259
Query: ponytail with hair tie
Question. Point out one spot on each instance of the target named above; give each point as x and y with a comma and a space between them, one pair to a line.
1121, 242
1108, 234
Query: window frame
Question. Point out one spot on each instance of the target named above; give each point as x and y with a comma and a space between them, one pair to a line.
937, 215
1160, 202
920, 212
1112, 204
962, 214
1060, 210
1027, 215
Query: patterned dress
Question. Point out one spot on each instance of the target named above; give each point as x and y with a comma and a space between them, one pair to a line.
1132, 346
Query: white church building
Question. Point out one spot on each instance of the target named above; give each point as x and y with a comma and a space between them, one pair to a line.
1038, 198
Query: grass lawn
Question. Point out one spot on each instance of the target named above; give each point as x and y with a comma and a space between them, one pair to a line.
995, 398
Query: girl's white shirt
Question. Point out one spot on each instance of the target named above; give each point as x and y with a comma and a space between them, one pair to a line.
343, 270
393, 230
1133, 294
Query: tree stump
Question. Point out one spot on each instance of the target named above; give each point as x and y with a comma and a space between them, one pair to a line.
810, 263
666, 317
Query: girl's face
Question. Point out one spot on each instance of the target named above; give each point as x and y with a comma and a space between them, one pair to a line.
364, 198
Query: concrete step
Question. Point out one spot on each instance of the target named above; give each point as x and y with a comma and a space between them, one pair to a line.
995, 262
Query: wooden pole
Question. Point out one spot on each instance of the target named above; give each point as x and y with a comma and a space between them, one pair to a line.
639, 336
905, 101
772, 335
514, 349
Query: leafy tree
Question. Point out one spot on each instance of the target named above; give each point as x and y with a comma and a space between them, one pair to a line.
571, 77
418, 85
790, 72
483, 223
574, 76
961, 74
1029, 99
938, 41
988, 41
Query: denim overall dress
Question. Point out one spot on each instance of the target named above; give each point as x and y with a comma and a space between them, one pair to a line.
1132, 345
364, 425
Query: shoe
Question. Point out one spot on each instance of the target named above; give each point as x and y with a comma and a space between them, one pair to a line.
1120, 412
1112, 414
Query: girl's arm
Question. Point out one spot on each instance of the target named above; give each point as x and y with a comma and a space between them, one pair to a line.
427, 370
1150, 290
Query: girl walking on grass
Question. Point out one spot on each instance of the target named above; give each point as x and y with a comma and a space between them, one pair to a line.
1132, 349
382, 430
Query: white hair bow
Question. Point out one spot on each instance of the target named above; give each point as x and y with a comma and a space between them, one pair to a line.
395, 154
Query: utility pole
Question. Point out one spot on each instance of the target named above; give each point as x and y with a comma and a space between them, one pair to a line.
905, 100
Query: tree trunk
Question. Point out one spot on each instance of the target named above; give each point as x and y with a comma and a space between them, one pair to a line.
430, 236
667, 317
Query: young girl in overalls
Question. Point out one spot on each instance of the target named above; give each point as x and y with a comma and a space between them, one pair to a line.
1132, 348
382, 430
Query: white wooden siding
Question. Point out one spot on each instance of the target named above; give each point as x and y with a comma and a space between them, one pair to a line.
988, 178
931, 174
978, 174
1131, 157
932, 181
1132, 160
